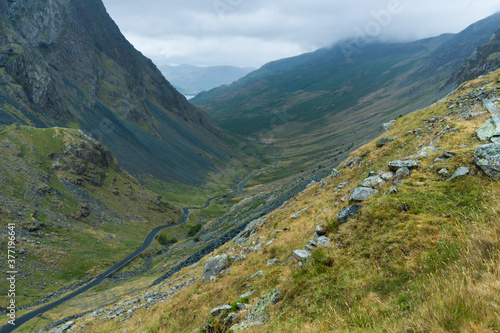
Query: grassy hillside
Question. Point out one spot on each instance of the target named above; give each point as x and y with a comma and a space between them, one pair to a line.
75, 211
423, 259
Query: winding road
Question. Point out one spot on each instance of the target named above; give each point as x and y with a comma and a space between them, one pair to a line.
147, 242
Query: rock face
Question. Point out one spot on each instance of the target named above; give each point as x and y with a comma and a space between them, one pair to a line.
410, 164
214, 266
490, 130
362, 193
348, 213
487, 157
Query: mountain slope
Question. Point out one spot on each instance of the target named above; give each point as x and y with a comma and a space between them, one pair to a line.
191, 80
483, 60
74, 210
321, 101
421, 255
66, 63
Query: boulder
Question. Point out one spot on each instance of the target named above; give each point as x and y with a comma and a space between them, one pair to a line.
402, 172
490, 130
259, 314
214, 266
220, 310
410, 164
273, 261
444, 172
388, 125
487, 157
348, 213
490, 106
372, 182
321, 230
387, 176
393, 190
383, 141
362, 193
462, 171
302, 255
323, 241
299, 213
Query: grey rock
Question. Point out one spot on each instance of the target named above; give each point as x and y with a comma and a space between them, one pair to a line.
439, 159
255, 275
444, 172
460, 172
214, 266
393, 190
65, 326
302, 255
247, 294
410, 164
299, 213
362, 193
323, 241
448, 155
220, 310
241, 306
398, 182
383, 141
388, 125
321, 230
490, 131
348, 213
402, 172
487, 157
387, 176
310, 247
335, 173
273, 261
490, 106
372, 182
314, 242
259, 314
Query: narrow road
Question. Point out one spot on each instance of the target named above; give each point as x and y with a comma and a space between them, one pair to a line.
147, 242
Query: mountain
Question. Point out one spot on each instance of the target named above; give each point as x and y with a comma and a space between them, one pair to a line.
191, 80
336, 98
402, 237
66, 63
483, 60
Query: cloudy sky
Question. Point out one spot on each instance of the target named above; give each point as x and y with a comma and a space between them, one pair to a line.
254, 32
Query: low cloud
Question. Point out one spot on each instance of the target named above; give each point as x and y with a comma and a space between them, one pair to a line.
251, 33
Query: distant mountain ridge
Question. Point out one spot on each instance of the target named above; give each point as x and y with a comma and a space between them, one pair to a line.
191, 80
328, 100
66, 63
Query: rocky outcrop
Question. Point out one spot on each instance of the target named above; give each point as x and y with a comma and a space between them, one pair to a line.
490, 106
410, 164
214, 266
348, 213
490, 131
383, 141
259, 314
362, 194
487, 157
